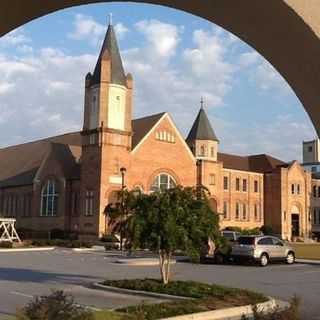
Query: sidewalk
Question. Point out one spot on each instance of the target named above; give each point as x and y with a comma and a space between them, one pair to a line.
308, 261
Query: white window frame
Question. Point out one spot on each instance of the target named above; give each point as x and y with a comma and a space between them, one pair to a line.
156, 184
48, 196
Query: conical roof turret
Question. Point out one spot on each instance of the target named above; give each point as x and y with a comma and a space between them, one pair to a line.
201, 128
110, 46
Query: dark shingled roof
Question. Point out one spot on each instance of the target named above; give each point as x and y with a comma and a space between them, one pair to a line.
201, 128
19, 164
142, 126
261, 163
117, 71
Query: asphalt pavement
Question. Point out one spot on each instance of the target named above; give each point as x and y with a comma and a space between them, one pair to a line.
27, 274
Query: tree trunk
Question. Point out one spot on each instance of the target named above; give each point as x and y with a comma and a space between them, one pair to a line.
164, 261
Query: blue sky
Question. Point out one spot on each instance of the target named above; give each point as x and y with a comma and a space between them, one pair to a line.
175, 58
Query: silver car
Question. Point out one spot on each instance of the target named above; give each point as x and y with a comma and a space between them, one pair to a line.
262, 249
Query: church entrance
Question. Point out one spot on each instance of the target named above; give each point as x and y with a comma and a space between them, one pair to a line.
295, 225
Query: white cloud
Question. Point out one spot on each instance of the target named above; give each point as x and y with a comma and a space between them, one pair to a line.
121, 30
42, 94
86, 28
267, 78
249, 58
14, 38
281, 138
6, 87
162, 38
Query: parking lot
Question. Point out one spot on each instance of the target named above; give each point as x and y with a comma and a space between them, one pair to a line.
26, 274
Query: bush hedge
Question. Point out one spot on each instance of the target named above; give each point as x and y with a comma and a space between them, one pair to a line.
189, 289
57, 305
61, 243
6, 245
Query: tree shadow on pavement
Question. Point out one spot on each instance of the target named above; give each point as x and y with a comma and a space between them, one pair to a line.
38, 276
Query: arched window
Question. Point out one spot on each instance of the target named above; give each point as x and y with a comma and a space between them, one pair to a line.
202, 151
49, 199
163, 181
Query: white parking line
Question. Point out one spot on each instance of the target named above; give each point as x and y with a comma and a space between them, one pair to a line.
21, 294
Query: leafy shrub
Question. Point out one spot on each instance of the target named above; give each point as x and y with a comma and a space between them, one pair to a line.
61, 243
267, 230
109, 238
253, 231
57, 234
57, 305
6, 244
190, 289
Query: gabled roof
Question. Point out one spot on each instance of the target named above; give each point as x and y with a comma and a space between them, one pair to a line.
142, 126
110, 46
201, 128
261, 163
20, 163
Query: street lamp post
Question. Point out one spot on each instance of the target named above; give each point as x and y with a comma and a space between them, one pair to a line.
123, 172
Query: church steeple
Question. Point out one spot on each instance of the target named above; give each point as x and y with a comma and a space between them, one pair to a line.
201, 128
110, 49
202, 139
108, 95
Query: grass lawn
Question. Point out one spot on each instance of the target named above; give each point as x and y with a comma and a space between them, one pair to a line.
307, 250
111, 315
203, 297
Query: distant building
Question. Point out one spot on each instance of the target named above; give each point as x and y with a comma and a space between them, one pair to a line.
311, 163
65, 182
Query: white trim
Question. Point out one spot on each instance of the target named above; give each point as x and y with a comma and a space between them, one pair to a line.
148, 134
181, 138
43, 162
243, 171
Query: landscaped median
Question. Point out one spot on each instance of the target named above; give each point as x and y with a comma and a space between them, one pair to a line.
202, 301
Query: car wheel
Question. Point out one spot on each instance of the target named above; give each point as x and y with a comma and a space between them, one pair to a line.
290, 258
264, 260
219, 259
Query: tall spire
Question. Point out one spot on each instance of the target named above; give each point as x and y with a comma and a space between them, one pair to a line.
201, 128
110, 45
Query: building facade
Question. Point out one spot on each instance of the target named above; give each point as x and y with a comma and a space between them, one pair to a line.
65, 182
311, 163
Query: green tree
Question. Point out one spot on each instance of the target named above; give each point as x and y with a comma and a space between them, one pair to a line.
175, 219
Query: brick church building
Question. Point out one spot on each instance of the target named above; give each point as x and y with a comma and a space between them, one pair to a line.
65, 182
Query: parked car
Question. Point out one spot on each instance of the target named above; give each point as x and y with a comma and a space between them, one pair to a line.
231, 236
262, 249
221, 254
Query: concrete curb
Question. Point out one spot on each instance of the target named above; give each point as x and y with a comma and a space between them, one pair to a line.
308, 261
139, 292
141, 261
235, 313
28, 249
85, 250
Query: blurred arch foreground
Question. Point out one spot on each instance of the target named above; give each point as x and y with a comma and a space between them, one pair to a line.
285, 32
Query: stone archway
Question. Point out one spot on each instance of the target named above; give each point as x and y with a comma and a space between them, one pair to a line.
285, 32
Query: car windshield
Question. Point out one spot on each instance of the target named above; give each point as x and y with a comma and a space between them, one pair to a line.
246, 240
